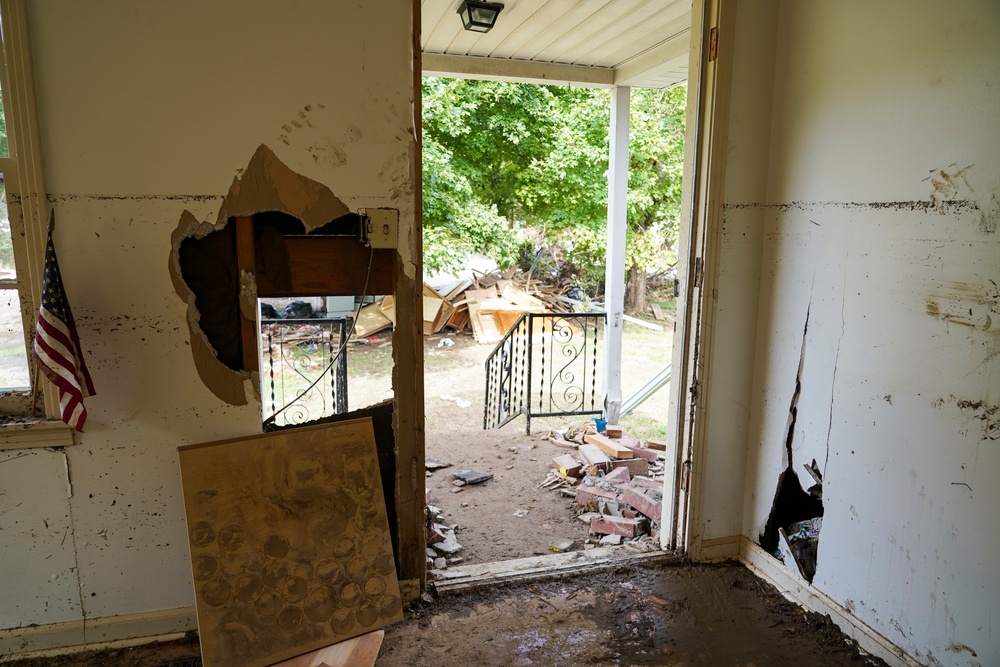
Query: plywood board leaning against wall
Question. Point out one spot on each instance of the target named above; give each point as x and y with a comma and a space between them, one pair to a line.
290, 547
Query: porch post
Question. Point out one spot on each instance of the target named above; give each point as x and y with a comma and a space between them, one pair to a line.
614, 283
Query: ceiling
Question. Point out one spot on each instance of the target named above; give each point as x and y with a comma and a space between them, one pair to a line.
602, 43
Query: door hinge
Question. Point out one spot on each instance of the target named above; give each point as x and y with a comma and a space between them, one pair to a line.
713, 45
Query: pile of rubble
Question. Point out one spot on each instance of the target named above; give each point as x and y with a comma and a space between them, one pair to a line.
615, 478
489, 304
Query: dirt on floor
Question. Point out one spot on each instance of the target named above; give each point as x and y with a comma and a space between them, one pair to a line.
509, 516
667, 615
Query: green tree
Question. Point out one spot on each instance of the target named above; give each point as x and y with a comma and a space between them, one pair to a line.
501, 159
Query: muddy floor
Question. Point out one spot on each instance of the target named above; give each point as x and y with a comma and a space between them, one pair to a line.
668, 615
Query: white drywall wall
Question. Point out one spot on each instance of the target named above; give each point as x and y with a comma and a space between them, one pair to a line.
147, 109
877, 107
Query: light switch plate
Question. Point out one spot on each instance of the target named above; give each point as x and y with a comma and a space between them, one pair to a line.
381, 227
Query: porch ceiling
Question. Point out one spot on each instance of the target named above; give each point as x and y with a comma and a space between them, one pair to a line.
603, 43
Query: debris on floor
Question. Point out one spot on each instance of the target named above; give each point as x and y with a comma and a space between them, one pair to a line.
616, 480
432, 463
471, 476
797, 546
442, 544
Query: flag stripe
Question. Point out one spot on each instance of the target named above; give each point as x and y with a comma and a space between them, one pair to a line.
55, 336
57, 348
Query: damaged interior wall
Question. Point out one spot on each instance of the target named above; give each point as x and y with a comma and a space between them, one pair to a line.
147, 110
864, 173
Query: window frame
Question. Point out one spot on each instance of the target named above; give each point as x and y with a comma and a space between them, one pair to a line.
27, 206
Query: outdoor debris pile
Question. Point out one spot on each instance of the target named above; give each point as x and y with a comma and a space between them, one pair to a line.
489, 304
615, 478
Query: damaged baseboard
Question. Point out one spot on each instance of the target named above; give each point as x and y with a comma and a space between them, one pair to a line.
801, 592
106, 632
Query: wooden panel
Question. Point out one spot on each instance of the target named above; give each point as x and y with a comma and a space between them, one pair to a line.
289, 541
333, 266
358, 652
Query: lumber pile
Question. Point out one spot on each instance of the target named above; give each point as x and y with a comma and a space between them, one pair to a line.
489, 305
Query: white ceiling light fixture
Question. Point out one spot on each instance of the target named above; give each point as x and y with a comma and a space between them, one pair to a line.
479, 16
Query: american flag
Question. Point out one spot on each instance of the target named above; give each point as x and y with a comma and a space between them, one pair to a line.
57, 346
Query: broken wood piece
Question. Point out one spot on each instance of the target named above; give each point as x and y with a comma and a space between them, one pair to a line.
388, 307
567, 465
613, 431
370, 320
519, 297
472, 476
657, 312
559, 441
459, 318
361, 651
610, 447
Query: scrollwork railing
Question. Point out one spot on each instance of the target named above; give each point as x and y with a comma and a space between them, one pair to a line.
545, 366
304, 369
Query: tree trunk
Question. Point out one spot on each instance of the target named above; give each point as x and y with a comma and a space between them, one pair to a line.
635, 290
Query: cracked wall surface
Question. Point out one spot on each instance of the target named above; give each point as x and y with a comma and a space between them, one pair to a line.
860, 189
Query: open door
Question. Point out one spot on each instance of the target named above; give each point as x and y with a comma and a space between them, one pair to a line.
706, 144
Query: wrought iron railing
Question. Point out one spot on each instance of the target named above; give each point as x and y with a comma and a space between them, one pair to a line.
545, 366
304, 369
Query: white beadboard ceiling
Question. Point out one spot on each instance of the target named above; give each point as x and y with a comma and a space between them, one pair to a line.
604, 43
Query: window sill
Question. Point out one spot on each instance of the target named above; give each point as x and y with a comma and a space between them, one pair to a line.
31, 434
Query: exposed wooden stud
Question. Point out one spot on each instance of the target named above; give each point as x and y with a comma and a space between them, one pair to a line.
245, 262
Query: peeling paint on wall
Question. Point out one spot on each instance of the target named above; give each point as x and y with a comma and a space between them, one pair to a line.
266, 185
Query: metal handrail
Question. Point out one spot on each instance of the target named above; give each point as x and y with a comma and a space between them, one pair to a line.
310, 355
545, 366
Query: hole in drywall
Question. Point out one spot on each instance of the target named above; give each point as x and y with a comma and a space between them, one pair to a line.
221, 294
792, 529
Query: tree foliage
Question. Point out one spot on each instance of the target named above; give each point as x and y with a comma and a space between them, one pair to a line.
507, 165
